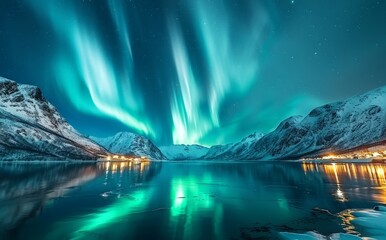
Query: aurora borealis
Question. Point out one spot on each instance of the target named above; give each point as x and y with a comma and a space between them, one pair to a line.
203, 71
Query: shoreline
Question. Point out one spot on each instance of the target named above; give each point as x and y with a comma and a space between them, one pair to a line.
348, 160
319, 161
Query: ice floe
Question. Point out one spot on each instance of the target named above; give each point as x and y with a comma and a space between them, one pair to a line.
370, 223
317, 236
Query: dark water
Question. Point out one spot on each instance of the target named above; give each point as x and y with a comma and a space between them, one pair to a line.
183, 200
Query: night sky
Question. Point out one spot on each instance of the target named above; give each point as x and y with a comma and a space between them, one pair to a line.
192, 71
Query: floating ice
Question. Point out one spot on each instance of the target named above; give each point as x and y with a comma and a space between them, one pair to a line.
317, 236
371, 222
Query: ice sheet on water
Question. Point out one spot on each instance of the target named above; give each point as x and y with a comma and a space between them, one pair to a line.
317, 236
371, 222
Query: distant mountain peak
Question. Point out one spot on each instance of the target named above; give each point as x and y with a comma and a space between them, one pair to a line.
130, 144
184, 151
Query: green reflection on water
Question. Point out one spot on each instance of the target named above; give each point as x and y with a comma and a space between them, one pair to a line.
189, 201
95, 223
213, 201
113, 214
100, 223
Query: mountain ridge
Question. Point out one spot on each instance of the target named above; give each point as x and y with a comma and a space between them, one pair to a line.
32, 128
333, 127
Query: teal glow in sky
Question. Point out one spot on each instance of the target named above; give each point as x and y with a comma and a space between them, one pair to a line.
200, 71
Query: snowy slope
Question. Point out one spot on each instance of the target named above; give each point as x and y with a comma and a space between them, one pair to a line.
184, 152
31, 127
131, 144
335, 127
229, 151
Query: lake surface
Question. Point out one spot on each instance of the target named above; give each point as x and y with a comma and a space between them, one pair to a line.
182, 200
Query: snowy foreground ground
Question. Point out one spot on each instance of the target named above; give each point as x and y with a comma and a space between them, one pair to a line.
370, 223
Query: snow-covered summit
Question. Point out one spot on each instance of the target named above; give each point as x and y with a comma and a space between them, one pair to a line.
131, 144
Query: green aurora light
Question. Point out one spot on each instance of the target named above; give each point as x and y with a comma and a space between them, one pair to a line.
206, 72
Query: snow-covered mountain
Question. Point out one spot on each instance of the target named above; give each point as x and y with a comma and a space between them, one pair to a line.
229, 151
335, 127
184, 152
31, 127
130, 143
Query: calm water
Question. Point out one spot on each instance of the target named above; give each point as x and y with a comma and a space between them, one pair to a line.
185, 200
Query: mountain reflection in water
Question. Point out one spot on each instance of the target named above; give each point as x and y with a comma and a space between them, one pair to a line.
25, 188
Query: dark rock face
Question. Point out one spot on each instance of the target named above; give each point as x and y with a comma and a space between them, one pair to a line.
7, 87
31, 127
36, 94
